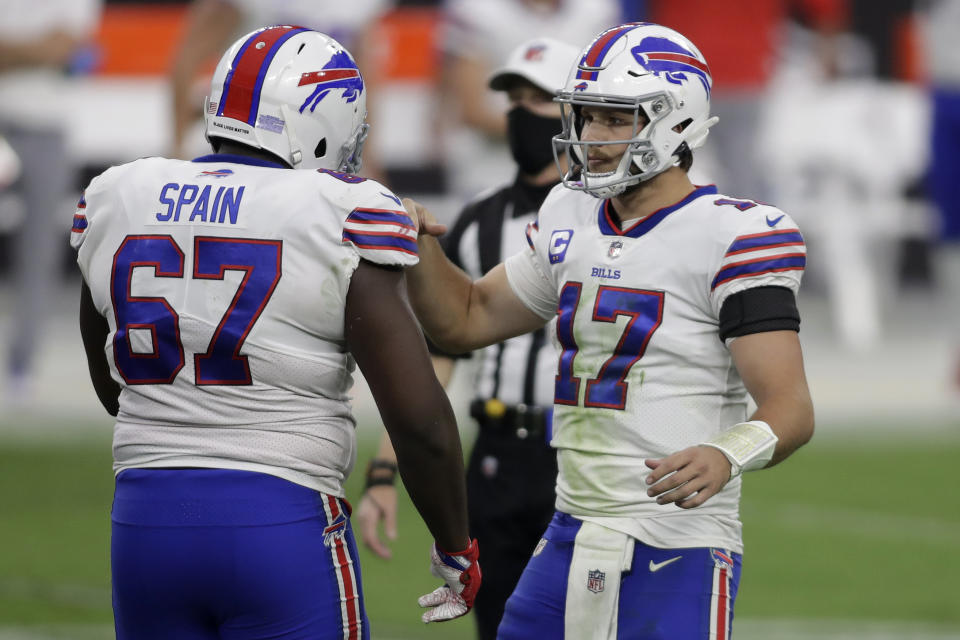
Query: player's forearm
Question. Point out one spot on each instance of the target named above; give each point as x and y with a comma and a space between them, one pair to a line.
431, 467
790, 416
440, 295
93, 332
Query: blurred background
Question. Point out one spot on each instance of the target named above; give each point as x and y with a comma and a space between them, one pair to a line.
844, 113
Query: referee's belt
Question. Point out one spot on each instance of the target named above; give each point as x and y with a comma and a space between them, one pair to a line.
522, 421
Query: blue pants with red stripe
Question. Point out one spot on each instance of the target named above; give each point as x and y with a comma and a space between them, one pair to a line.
220, 554
666, 595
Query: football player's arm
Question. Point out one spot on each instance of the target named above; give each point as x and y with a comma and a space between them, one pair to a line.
379, 501
94, 331
771, 366
386, 342
458, 313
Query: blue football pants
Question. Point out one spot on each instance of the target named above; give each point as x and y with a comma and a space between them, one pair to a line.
661, 597
204, 554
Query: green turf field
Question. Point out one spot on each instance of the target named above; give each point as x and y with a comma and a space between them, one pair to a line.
852, 531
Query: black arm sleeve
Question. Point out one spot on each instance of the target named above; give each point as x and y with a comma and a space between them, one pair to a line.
757, 310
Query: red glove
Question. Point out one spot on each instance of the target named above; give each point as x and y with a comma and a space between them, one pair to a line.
461, 573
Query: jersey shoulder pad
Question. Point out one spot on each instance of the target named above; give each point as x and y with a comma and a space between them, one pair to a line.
380, 232
92, 203
374, 220
763, 246
345, 190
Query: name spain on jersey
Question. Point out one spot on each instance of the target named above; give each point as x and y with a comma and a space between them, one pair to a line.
381, 229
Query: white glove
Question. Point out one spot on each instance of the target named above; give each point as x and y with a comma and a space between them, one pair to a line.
461, 573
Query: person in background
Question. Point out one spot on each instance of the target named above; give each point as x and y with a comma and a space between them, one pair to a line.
224, 305
478, 35
40, 43
512, 468
742, 40
943, 63
942, 53
672, 303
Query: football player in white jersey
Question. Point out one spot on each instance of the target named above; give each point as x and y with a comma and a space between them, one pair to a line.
225, 304
673, 302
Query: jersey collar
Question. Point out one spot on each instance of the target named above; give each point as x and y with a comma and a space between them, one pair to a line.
235, 159
609, 226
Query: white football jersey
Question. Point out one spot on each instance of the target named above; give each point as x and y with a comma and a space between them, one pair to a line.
224, 282
642, 372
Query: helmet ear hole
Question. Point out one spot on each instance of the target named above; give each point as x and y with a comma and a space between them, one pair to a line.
321, 149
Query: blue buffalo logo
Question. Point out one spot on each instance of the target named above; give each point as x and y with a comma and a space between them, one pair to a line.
666, 58
339, 73
580, 87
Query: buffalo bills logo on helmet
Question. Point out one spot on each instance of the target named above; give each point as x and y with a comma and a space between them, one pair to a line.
339, 73
667, 58
580, 87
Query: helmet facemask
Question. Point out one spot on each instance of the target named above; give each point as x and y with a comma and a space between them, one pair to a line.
641, 160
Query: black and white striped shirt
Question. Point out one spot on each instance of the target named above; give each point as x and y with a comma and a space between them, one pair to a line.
488, 230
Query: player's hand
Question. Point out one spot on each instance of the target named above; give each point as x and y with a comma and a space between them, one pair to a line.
688, 478
425, 222
379, 503
461, 573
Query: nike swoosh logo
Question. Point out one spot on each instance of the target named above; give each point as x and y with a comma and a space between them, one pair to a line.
773, 223
656, 566
397, 200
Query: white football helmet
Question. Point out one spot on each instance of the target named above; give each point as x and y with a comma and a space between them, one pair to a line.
659, 75
294, 92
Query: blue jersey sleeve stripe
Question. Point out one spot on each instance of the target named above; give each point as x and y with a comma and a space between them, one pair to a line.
757, 267
765, 240
764, 247
380, 215
79, 223
381, 241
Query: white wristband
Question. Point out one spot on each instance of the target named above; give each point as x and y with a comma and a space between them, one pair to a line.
747, 445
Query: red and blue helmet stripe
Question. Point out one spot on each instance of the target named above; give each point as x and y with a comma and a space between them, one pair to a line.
241, 88
601, 46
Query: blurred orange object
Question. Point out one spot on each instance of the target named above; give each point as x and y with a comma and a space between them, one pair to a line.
404, 44
139, 39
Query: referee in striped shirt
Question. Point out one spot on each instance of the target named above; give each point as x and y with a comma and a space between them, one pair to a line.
512, 469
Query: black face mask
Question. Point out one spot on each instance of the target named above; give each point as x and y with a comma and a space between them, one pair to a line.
530, 137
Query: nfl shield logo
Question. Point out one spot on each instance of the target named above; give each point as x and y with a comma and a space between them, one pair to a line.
595, 580
615, 247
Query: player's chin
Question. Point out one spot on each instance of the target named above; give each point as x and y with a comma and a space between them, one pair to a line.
601, 169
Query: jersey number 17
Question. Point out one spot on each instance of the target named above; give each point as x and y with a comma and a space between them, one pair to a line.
608, 389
